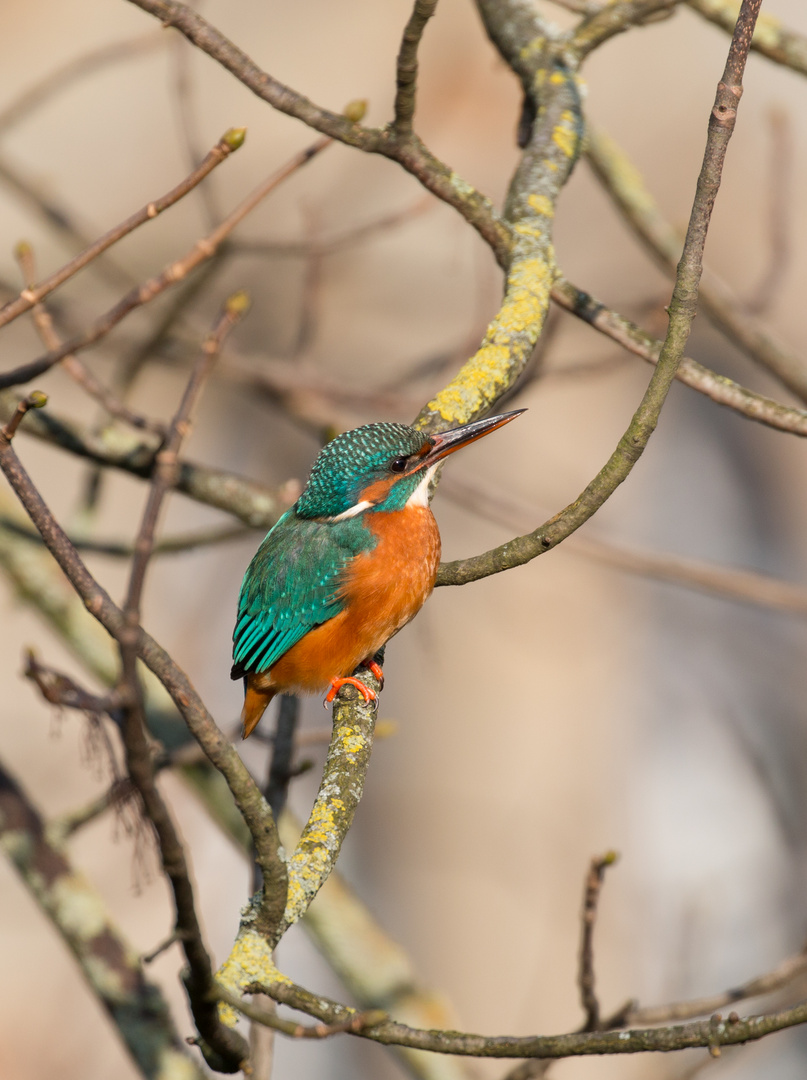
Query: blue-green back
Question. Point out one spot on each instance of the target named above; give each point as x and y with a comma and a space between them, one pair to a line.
293, 585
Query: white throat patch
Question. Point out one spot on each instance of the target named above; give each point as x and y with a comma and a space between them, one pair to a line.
420, 496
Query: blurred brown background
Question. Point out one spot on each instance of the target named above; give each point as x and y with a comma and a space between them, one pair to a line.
544, 715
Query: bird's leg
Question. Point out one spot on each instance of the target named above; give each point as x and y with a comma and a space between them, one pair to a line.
338, 683
374, 668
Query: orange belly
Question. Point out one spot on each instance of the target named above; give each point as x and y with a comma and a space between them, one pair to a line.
383, 589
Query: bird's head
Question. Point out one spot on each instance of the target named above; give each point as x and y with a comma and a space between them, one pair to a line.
383, 467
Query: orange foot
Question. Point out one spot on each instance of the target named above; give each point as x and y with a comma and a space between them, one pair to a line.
374, 669
337, 684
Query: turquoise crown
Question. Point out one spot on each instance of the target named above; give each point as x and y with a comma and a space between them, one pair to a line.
350, 462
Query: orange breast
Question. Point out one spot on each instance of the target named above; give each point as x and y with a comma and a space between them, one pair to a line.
383, 590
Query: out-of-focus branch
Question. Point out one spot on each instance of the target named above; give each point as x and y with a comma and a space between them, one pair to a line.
780, 213
231, 140
58, 218
331, 245
771, 38
57, 80
124, 549
783, 975
625, 186
251, 502
110, 965
176, 271
721, 390
612, 19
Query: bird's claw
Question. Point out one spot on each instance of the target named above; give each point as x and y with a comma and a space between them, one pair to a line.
338, 683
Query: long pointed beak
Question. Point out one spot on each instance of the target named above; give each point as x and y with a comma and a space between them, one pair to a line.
446, 442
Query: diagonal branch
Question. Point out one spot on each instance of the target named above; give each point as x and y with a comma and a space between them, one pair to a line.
109, 963
231, 140
721, 390
176, 271
625, 186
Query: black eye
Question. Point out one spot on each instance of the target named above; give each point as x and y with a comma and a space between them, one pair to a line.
397, 464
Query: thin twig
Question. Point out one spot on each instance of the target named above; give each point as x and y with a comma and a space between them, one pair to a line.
783, 975
406, 69
585, 976
176, 271
73, 365
231, 140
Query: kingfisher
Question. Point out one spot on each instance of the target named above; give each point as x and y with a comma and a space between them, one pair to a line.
346, 567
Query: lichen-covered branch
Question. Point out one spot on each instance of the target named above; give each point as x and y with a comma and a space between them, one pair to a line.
314, 858
614, 18
110, 965
550, 150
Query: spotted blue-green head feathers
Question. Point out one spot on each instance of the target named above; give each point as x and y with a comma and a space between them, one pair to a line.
355, 460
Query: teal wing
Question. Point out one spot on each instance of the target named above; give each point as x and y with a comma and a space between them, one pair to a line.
292, 585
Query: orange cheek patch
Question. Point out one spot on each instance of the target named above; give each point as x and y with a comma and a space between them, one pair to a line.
376, 492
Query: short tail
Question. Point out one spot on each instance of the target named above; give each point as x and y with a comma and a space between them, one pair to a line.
256, 700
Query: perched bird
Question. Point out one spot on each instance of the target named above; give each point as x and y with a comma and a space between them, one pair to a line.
346, 567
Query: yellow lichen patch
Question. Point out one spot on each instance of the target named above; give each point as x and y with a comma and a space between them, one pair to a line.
541, 205
80, 911
508, 342
250, 961
532, 48
525, 229
350, 740
174, 1065
565, 134
313, 860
